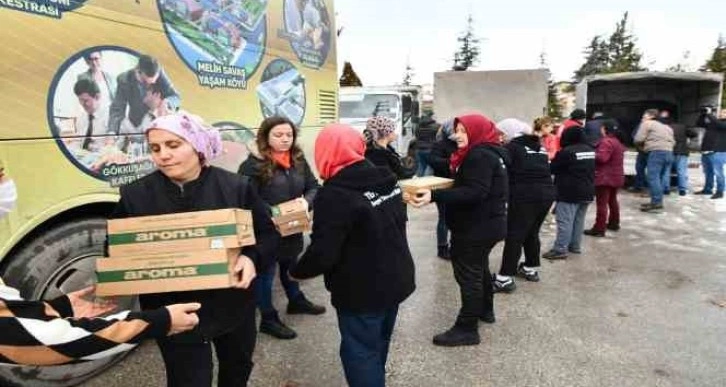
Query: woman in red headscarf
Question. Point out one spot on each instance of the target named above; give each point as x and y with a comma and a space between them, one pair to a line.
359, 243
476, 213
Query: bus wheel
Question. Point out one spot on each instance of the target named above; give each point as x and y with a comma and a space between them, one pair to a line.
57, 261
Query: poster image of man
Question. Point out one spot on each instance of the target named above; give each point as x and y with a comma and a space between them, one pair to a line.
143, 93
105, 81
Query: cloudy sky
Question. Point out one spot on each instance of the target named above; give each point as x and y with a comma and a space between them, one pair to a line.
379, 36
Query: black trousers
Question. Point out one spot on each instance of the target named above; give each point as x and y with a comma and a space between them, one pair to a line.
190, 364
524, 220
470, 260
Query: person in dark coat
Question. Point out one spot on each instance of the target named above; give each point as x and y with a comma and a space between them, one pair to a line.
181, 147
574, 170
476, 213
682, 134
713, 152
280, 173
439, 159
531, 193
380, 152
425, 139
609, 178
359, 244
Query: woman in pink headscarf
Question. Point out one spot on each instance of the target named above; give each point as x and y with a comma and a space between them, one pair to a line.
476, 214
181, 147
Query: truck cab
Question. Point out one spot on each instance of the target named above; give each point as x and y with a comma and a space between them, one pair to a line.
358, 104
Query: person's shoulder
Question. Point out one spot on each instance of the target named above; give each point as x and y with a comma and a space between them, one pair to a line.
225, 176
252, 166
142, 185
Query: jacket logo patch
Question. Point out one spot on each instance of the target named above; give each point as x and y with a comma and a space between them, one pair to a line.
377, 199
585, 155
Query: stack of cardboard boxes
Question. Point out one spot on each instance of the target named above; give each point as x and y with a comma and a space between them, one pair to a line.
291, 218
175, 252
411, 186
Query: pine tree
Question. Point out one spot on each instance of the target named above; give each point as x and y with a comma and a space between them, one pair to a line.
349, 77
597, 59
682, 66
554, 109
468, 53
717, 63
624, 56
408, 75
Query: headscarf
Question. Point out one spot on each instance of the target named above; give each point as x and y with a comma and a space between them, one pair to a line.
380, 126
447, 130
514, 128
337, 147
480, 130
204, 139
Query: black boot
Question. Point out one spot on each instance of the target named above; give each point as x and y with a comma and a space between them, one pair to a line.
272, 325
458, 336
301, 305
444, 252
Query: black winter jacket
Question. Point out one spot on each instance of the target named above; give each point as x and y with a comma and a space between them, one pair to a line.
285, 185
440, 157
574, 168
222, 309
715, 138
681, 133
359, 241
476, 206
530, 179
426, 135
388, 158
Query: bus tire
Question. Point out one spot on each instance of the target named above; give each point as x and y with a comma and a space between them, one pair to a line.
58, 260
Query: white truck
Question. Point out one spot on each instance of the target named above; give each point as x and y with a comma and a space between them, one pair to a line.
399, 103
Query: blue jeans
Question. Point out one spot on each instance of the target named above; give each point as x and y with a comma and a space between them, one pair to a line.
641, 163
570, 225
364, 342
422, 163
442, 232
263, 285
681, 163
659, 167
713, 164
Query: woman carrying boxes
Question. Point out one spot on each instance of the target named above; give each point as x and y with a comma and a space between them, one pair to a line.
280, 175
181, 147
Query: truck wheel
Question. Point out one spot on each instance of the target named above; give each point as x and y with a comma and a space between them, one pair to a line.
58, 261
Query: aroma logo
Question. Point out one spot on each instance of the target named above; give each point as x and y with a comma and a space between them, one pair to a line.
171, 235
160, 273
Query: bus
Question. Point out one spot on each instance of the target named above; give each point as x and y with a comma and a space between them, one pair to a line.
81, 79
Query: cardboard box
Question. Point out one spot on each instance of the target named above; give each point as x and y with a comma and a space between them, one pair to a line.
188, 231
160, 273
291, 218
411, 186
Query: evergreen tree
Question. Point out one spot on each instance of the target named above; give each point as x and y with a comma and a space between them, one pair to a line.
349, 77
468, 53
717, 63
554, 109
682, 66
623, 55
408, 74
597, 59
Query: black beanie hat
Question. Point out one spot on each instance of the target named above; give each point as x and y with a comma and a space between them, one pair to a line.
578, 114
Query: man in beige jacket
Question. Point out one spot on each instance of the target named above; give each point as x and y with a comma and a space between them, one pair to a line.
657, 139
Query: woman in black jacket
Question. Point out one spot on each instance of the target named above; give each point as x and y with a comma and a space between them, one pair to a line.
380, 152
359, 243
181, 147
280, 173
476, 213
438, 159
531, 193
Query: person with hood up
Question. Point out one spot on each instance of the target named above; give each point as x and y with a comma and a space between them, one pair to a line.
574, 170
182, 147
531, 193
609, 178
359, 244
476, 213
439, 157
279, 173
380, 152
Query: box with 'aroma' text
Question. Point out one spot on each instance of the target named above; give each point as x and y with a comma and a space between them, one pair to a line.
160, 273
186, 231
